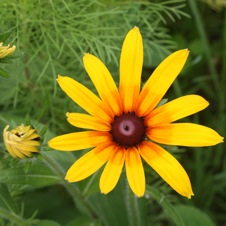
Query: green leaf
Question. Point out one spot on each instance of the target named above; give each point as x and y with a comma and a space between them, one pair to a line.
6, 60
43, 131
4, 36
135, 207
4, 73
120, 207
84, 221
8, 208
166, 205
38, 175
6, 201
47, 223
15, 55
193, 216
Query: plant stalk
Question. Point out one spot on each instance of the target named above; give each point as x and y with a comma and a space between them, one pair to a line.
76, 195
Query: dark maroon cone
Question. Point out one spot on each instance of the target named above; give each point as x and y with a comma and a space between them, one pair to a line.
128, 130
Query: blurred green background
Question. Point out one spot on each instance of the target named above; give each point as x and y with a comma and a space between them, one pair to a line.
51, 38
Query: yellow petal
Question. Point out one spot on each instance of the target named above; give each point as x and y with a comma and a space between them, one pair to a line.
30, 143
27, 130
79, 140
131, 62
135, 171
104, 83
10, 150
22, 146
26, 153
87, 122
32, 136
24, 129
112, 171
6, 50
14, 138
184, 134
84, 98
89, 163
176, 109
160, 81
17, 152
5, 139
167, 167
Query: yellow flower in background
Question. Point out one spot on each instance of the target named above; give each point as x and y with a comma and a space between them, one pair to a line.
6, 50
21, 142
124, 125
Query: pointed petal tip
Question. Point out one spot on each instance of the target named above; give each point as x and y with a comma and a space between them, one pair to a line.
137, 28
49, 143
85, 55
189, 196
104, 192
139, 195
217, 139
59, 77
187, 191
184, 52
52, 143
6, 128
68, 178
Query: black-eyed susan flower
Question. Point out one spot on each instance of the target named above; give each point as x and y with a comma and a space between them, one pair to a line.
22, 141
125, 125
6, 50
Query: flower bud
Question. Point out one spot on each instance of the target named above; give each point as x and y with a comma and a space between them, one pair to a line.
22, 141
6, 50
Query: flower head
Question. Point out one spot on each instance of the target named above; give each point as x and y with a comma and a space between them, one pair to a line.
125, 125
6, 50
21, 142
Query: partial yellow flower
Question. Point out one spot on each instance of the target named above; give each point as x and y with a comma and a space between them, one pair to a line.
6, 50
125, 125
21, 142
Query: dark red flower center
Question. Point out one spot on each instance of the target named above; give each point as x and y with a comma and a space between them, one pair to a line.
128, 130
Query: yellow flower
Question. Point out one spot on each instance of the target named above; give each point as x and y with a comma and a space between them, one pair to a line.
21, 142
6, 50
125, 125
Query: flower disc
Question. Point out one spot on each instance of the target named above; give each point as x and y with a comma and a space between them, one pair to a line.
128, 130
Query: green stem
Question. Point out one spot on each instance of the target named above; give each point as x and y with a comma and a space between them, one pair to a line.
223, 49
79, 201
217, 81
132, 207
223, 73
165, 204
177, 88
17, 220
203, 36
